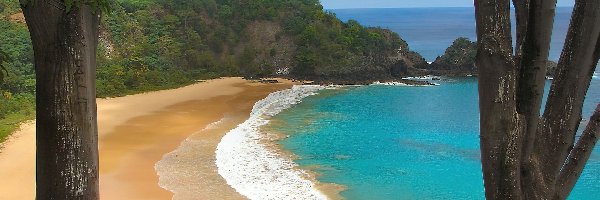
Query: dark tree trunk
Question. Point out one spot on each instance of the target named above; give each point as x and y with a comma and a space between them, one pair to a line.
64, 46
500, 139
530, 89
525, 156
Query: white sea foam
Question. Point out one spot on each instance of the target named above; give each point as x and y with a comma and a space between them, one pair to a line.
256, 171
596, 75
428, 77
390, 83
214, 125
402, 84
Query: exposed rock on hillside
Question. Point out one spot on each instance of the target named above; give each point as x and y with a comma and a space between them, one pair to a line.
458, 59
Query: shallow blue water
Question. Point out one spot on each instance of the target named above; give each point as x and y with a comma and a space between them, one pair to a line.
387, 142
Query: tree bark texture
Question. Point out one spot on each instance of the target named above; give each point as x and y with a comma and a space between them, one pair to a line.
500, 139
64, 44
525, 155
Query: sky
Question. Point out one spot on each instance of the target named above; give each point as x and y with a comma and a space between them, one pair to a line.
340, 4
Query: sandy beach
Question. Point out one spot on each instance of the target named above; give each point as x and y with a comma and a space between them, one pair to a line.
136, 131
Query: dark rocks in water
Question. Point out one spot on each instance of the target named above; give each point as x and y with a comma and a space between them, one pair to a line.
414, 82
459, 60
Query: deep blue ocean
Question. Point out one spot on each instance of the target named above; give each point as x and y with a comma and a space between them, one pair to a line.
430, 31
390, 142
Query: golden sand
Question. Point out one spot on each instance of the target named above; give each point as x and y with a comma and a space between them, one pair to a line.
136, 131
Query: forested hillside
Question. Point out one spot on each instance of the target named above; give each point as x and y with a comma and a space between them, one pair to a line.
208, 38
156, 44
17, 99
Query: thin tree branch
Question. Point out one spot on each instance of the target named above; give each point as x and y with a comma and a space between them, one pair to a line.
578, 157
535, 50
521, 18
530, 90
563, 110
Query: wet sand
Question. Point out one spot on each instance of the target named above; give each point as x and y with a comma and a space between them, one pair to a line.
136, 131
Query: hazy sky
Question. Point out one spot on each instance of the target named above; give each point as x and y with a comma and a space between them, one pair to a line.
333, 4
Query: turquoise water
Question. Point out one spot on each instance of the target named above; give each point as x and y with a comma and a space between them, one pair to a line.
389, 142
386, 142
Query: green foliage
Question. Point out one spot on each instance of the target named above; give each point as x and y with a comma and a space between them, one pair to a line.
17, 79
18, 70
216, 37
14, 109
8, 7
150, 45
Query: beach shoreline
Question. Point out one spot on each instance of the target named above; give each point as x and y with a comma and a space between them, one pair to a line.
271, 139
253, 162
136, 131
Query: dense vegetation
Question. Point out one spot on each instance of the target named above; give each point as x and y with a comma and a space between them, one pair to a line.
17, 99
156, 44
212, 38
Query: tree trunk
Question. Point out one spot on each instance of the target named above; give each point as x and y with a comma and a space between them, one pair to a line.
525, 156
64, 44
501, 129
531, 82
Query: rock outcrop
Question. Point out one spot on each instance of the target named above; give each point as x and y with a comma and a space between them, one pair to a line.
458, 59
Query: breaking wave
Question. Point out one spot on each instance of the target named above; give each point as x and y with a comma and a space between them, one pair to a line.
257, 171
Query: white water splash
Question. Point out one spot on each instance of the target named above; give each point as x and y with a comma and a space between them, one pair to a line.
253, 169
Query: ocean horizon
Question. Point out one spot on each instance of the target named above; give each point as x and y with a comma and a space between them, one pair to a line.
429, 31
